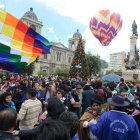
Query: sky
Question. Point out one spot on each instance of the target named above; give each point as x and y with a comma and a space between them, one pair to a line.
61, 19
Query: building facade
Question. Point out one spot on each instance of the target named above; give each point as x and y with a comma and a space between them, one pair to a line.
60, 55
117, 61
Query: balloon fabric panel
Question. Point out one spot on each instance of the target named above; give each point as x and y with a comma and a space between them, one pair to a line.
105, 26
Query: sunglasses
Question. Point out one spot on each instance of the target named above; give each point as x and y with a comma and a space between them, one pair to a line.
78, 88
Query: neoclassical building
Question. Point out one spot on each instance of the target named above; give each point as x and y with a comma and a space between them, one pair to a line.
60, 56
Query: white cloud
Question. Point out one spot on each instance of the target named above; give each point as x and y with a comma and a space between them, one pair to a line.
50, 29
70, 35
83, 10
57, 39
2, 6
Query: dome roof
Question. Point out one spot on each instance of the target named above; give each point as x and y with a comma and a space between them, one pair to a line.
77, 34
31, 14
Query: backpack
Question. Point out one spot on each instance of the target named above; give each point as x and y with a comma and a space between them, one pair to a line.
107, 93
100, 92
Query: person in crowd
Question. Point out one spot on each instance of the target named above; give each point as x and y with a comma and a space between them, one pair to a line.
136, 100
8, 118
87, 96
132, 109
4, 78
17, 98
43, 87
29, 113
98, 88
6, 101
53, 130
112, 87
92, 113
53, 89
25, 88
124, 92
71, 121
54, 109
77, 96
60, 94
39, 95
25, 85
137, 119
12, 89
4, 87
68, 95
116, 124
47, 95
134, 88
121, 85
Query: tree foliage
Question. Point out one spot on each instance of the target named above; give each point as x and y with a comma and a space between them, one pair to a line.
30, 68
62, 71
118, 72
94, 63
79, 66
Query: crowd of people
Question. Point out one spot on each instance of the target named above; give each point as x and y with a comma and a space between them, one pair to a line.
56, 108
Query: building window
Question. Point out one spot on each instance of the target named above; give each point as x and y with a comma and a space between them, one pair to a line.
72, 46
69, 60
45, 56
44, 71
58, 56
33, 27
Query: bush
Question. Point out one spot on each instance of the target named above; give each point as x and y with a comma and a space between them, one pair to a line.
42, 73
62, 71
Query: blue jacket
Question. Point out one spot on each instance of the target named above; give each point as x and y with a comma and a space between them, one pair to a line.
75, 137
116, 125
87, 97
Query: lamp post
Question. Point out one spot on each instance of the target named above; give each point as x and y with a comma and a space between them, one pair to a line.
78, 67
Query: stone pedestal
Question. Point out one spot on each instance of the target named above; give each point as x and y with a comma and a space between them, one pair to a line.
133, 43
131, 75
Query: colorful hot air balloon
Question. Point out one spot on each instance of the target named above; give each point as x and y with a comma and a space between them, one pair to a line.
105, 26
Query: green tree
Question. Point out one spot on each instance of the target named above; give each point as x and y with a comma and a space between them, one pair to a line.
62, 71
42, 73
79, 66
110, 71
118, 72
94, 63
29, 69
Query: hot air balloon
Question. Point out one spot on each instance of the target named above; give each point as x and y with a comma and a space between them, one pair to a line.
105, 26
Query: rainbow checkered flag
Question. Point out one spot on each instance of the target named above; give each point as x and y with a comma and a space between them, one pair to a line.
44, 115
19, 44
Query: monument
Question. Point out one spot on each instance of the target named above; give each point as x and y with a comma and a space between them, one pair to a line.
132, 66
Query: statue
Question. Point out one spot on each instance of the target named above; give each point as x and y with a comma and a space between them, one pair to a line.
136, 54
127, 59
134, 29
133, 63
